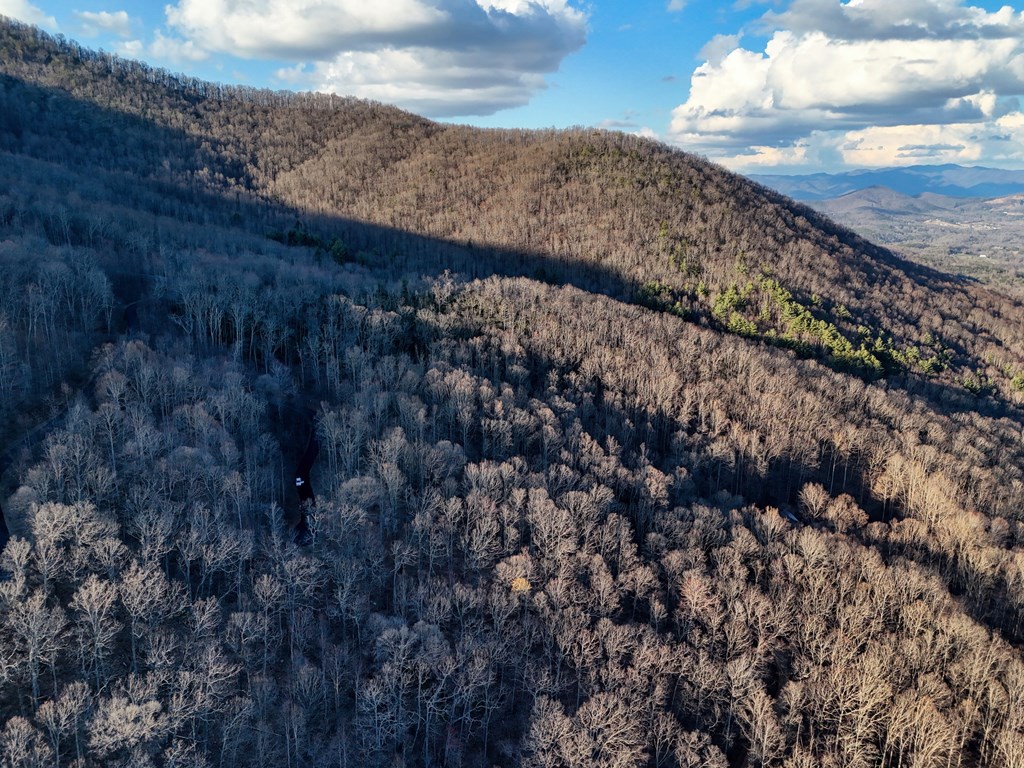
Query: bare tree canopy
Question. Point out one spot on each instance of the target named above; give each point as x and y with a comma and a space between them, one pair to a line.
619, 459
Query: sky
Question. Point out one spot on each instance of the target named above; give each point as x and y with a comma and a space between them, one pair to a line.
760, 86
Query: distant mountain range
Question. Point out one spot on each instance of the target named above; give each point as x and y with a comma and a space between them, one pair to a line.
885, 201
948, 180
982, 237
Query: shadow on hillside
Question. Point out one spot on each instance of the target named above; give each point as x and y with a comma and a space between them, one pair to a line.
51, 125
169, 172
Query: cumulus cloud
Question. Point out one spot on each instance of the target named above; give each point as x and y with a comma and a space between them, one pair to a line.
175, 50
132, 49
834, 75
438, 57
992, 141
22, 10
895, 20
718, 47
163, 49
93, 23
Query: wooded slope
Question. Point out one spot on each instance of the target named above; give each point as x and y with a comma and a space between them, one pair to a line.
627, 216
547, 528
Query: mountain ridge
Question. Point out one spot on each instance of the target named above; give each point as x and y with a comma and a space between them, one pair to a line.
949, 179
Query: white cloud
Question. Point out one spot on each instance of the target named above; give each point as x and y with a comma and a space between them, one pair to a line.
426, 81
93, 23
718, 47
174, 50
162, 50
895, 20
22, 10
132, 49
674, 6
773, 157
438, 57
1000, 140
868, 74
292, 75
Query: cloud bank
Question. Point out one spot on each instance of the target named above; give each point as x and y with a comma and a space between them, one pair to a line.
22, 10
865, 82
92, 23
436, 57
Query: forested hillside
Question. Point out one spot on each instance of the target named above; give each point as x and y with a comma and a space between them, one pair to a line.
605, 457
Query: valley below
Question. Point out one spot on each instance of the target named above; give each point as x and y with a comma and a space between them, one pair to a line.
963, 220
980, 238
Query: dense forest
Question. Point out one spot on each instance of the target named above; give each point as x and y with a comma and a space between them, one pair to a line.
337, 437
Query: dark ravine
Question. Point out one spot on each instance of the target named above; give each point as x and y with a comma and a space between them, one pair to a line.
304, 487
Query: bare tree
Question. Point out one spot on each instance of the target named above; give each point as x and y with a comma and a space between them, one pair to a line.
95, 626
39, 630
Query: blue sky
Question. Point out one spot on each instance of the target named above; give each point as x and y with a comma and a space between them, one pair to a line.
757, 85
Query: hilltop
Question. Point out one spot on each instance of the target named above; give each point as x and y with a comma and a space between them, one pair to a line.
342, 437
